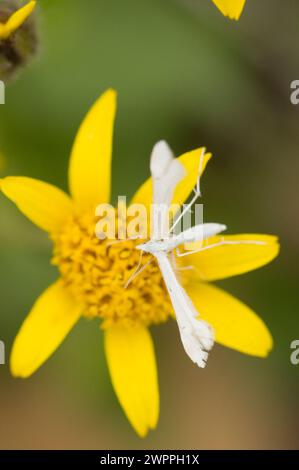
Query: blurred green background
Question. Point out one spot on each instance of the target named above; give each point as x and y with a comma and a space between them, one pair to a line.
184, 73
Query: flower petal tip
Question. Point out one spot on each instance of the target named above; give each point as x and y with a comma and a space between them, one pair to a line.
144, 431
265, 346
270, 347
31, 6
17, 371
110, 93
19, 368
275, 244
232, 9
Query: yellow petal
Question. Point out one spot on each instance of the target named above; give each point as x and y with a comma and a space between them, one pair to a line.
239, 254
44, 204
16, 20
190, 161
2, 31
52, 317
90, 163
230, 8
132, 365
236, 325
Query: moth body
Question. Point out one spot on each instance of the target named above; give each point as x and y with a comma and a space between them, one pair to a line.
197, 336
194, 234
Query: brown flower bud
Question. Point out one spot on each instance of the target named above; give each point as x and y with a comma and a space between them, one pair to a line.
18, 37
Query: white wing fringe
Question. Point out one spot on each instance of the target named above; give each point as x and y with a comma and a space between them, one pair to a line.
197, 336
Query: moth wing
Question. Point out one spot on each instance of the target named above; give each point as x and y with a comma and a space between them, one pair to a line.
199, 233
197, 335
166, 173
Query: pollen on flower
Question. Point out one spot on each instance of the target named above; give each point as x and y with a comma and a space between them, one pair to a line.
96, 272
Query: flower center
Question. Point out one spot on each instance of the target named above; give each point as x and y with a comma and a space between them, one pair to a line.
96, 271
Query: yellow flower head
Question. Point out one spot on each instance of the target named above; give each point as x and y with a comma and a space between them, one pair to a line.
16, 20
93, 274
230, 8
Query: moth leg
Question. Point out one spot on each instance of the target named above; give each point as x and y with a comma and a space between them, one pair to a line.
197, 192
138, 270
185, 268
186, 253
116, 241
220, 243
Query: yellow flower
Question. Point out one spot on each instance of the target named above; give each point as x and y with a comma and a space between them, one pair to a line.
93, 273
230, 8
16, 20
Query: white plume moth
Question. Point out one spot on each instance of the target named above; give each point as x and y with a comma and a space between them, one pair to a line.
197, 336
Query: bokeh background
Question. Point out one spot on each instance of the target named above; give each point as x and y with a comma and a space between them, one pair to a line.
186, 74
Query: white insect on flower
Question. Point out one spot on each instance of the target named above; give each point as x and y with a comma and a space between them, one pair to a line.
197, 336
